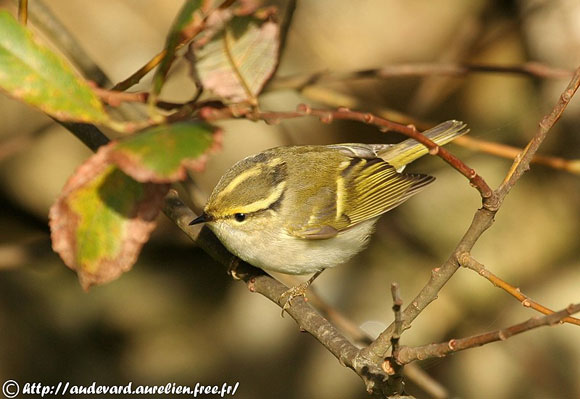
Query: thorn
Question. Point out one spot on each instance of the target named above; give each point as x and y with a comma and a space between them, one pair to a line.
343, 109
383, 129
452, 344
368, 118
434, 150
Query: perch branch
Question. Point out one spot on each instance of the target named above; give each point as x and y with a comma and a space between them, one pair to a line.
410, 354
257, 281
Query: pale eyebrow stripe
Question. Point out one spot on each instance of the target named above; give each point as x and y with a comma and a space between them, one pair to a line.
245, 175
236, 181
263, 203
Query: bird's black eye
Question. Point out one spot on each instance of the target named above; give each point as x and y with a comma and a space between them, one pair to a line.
240, 217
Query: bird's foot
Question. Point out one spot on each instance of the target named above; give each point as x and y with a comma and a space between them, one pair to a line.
233, 268
291, 293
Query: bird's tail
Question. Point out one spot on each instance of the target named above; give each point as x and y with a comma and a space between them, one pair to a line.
407, 151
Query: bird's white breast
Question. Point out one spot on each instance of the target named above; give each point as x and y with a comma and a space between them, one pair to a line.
278, 251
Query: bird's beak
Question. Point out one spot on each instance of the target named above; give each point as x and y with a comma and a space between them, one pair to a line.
204, 217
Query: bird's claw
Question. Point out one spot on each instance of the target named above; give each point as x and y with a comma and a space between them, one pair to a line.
291, 293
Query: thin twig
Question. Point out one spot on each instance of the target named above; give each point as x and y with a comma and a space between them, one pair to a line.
410, 354
390, 365
522, 161
23, 11
482, 220
327, 116
334, 98
44, 18
532, 69
469, 262
506, 151
188, 35
115, 98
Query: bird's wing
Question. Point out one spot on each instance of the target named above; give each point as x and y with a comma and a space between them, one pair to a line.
365, 188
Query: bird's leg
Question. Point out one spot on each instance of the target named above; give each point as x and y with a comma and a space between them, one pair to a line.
297, 290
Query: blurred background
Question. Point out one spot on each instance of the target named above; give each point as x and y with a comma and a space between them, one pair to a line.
177, 316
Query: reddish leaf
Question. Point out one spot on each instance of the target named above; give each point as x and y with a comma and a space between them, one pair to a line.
102, 219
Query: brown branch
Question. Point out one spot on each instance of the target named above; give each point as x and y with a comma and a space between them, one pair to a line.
258, 281
335, 98
506, 151
393, 368
482, 220
44, 18
304, 314
23, 11
410, 354
532, 69
467, 261
384, 125
522, 161
115, 98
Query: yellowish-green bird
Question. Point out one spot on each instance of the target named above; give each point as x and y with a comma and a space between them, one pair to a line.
302, 209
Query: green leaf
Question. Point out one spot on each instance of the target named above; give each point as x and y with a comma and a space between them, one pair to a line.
161, 154
182, 21
102, 219
239, 60
35, 75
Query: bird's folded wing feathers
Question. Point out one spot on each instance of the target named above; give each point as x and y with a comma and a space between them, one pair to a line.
366, 188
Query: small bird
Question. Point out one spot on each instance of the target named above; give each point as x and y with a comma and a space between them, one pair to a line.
302, 209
